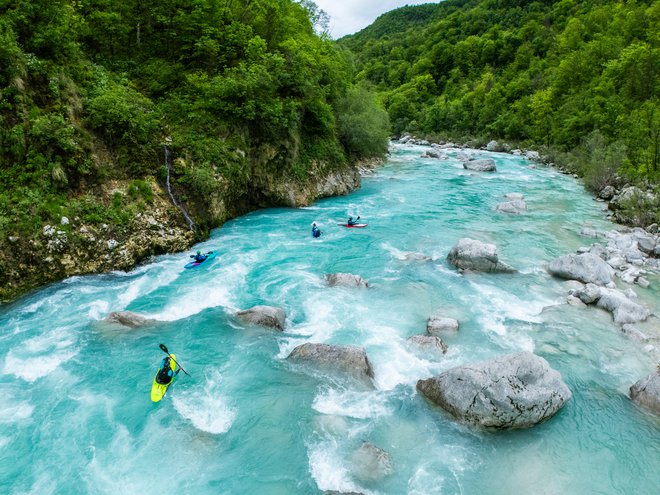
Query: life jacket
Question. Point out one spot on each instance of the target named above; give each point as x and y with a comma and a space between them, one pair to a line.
163, 377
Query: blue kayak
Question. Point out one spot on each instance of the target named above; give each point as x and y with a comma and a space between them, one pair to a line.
193, 264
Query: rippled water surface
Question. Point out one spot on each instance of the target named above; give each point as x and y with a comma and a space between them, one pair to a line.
76, 417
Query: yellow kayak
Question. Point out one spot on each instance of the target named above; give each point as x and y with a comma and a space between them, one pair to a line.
158, 389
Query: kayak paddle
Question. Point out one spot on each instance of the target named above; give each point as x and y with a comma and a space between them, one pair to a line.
164, 349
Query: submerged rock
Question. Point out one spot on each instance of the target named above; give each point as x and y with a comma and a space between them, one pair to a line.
371, 463
646, 392
265, 316
345, 280
514, 207
429, 342
586, 267
128, 319
469, 254
483, 165
512, 391
438, 325
350, 360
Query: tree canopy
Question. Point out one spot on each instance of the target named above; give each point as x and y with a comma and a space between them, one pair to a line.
559, 73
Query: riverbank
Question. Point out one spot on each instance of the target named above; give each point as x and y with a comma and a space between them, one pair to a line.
150, 227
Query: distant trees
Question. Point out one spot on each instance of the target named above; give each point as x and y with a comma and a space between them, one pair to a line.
554, 73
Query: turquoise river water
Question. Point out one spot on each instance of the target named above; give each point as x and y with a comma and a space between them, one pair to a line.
76, 417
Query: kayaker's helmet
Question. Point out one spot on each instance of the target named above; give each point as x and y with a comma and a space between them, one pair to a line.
199, 252
314, 224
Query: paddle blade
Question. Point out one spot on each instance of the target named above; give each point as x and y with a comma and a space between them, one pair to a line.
163, 348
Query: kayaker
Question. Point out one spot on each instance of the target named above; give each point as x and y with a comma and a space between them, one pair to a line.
316, 232
351, 221
199, 257
165, 373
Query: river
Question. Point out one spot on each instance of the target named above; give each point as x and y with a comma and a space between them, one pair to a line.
76, 417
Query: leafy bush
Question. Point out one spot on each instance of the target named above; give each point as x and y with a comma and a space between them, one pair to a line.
363, 124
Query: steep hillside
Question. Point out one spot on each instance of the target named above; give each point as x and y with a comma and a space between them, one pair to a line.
251, 107
571, 75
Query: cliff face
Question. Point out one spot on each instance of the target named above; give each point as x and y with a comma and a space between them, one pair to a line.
73, 247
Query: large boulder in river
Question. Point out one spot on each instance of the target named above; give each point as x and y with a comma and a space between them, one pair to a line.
469, 254
128, 319
513, 391
585, 267
483, 165
646, 392
265, 316
348, 360
345, 280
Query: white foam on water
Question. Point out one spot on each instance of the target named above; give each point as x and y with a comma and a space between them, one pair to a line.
4, 441
443, 471
321, 323
41, 355
352, 403
98, 309
209, 289
44, 485
328, 469
206, 409
426, 482
394, 359
15, 413
31, 369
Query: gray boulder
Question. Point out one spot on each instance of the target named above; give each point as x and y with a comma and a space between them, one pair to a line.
345, 280
439, 325
370, 463
646, 392
469, 254
586, 267
646, 243
588, 294
265, 316
128, 319
623, 309
429, 342
514, 207
607, 193
514, 196
482, 165
349, 360
513, 391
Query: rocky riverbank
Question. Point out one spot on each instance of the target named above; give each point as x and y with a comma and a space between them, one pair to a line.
75, 247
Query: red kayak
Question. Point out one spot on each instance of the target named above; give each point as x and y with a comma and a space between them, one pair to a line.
354, 226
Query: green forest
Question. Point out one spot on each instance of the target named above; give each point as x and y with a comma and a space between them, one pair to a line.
578, 79
90, 90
